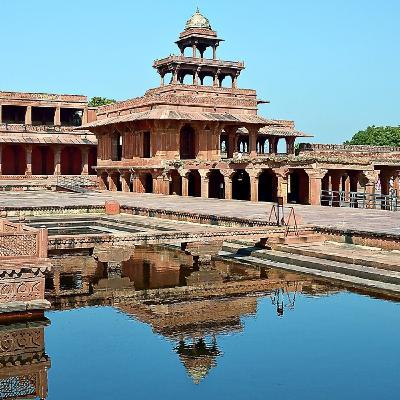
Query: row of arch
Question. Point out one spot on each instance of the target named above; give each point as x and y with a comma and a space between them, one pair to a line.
241, 185
14, 160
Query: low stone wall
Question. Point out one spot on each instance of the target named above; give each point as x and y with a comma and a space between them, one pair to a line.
381, 240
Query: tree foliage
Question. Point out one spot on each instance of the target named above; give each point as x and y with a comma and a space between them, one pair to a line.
100, 101
377, 136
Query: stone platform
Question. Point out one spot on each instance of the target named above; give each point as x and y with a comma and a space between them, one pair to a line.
343, 219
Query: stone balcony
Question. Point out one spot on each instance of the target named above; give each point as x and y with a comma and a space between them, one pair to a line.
5, 127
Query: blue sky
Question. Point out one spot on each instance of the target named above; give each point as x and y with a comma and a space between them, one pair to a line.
332, 66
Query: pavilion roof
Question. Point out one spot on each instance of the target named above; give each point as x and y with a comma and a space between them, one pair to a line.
165, 114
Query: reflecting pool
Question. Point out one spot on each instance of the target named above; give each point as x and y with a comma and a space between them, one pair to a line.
141, 330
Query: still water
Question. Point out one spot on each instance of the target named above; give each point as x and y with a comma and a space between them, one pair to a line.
294, 339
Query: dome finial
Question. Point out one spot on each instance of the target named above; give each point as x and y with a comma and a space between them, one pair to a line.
198, 20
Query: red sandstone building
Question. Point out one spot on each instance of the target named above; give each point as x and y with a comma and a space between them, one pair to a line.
192, 139
37, 136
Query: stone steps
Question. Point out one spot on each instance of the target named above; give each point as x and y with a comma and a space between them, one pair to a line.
309, 264
340, 277
342, 258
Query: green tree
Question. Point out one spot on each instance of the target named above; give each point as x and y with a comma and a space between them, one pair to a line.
100, 101
377, 136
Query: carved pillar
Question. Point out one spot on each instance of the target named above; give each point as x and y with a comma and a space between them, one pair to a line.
85, 160
28, 115
57, 116
204, 182
368, 180
28, 152
315, 177
290, 145
214, 48
216, 78
282, 182
57, 160
254, 174
253, 141
273, 144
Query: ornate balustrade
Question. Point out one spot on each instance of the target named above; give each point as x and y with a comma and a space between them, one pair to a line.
205, 61
19, 241
35, 128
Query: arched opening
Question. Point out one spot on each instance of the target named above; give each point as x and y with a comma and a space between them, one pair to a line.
13, 160
194, 183
225, 81
267, 186
216, 184
298, 187
262, 145
92, 160
241, 185
42, 160
167, 78
207, 53
187, 79
71, 161
223, 145
187, 143
147, 182
207, 80
175, 183
243, 144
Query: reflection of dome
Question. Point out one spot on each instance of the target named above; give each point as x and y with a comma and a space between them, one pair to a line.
198, 358
198, 20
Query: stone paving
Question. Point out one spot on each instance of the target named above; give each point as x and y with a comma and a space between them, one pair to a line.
387, 222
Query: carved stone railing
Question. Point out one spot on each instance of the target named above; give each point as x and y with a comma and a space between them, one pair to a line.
347, 148
23, 361
36, 128
42, 96
200, 61
19, 241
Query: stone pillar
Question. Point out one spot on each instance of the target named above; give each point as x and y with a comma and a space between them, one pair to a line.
57, 116
254, 174
368, 181
290, 145
253, 141
85, 160
214, 52
57, 160
194, 50
231, 142
28, 152
204, 182
228, 173
111, 184
28, 115
216, 79
1, 114
273, 144
126, 180
335, 182
1, 154
315, 177
282, 178
185, 184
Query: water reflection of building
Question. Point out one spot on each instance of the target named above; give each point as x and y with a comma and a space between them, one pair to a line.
23, 361
191, 324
